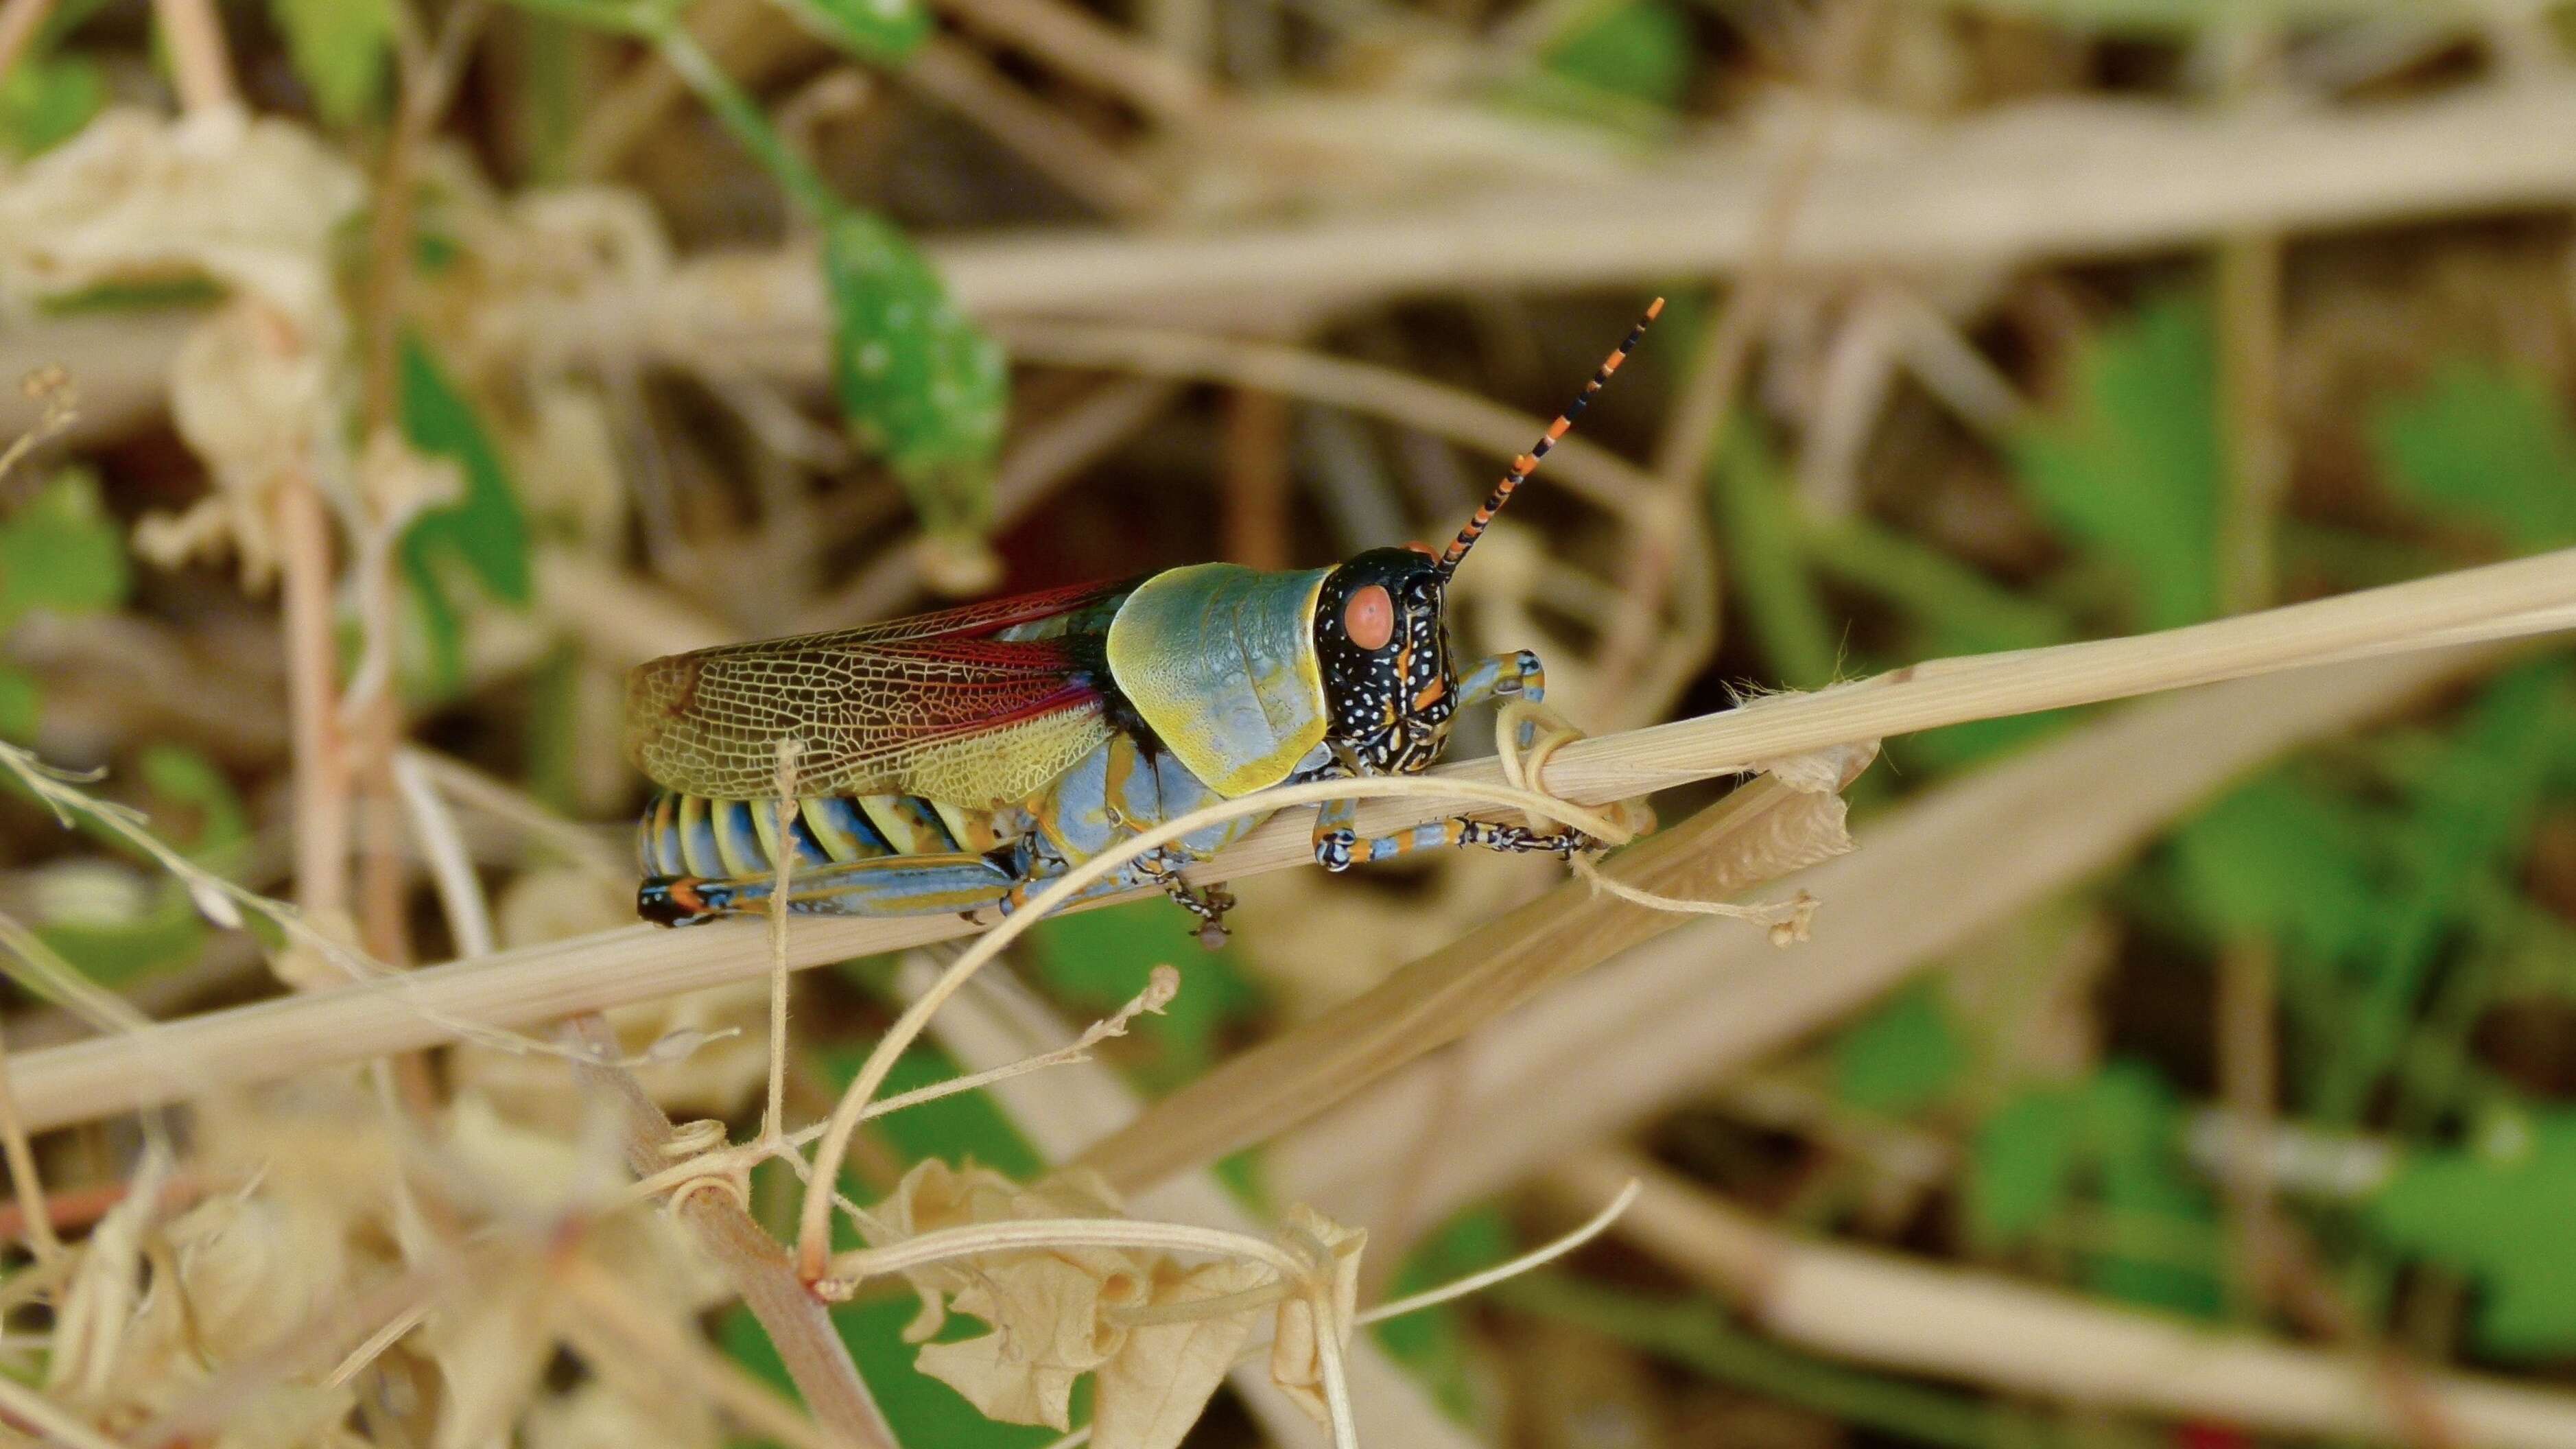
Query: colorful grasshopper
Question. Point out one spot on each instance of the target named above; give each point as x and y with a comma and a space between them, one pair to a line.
958, 760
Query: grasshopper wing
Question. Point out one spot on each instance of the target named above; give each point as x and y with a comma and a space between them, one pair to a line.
936, 705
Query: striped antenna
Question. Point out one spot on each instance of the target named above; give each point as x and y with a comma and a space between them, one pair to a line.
1527, 463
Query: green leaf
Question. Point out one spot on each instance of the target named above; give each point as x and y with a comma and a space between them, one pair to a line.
21, 704
1957, 609
1434, 1344
123, 953
62, 551
921, 1409
1642, 51
485, 532
1097, 961
2500, 1219
44, 101
2469, 815
2132, 1126
340, 50
967, 1126
884, 31
1902, 1057
2486, 445
485, 529
2280, 859
2021, 1167
2132, 467
917, 382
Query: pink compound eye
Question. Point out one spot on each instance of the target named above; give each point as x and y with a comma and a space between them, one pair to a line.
1369, 617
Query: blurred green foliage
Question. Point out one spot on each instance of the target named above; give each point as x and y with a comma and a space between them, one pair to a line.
2111, 1142
60, 552
1640, 51
1903, 1057
921, 1409
1097, 961
2498, 1212
2485, 447
45, 100
342, 50
485, 532
1434, 1343
2131, 468
918, 383
882, 31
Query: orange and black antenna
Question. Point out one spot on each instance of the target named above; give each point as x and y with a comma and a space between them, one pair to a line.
1527, 463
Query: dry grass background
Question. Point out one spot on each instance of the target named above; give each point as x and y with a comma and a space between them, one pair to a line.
2195, 1068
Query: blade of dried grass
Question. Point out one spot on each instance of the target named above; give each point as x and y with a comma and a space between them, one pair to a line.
1721, 851
1680, 1012
621, 1336
1953, 1323
24, 1182
797, 1324
276, 1038
2055, 178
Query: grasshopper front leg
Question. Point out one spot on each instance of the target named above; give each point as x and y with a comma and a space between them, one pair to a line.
1338, 847
1516, 675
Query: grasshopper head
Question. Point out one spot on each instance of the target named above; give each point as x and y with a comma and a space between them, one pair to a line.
1388, 683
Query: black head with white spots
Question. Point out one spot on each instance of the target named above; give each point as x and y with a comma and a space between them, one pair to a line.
1389, 687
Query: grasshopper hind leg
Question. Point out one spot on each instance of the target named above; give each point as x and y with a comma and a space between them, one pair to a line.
894, 885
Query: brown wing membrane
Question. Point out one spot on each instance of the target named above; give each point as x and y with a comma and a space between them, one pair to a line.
966, 721
974, 621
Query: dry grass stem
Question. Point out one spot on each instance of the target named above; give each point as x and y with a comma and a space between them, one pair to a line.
1088, 49
37, 1222
1587, 470
91, 1079
619, 1335
312, 654
798, 1325
1087, 167
200, 61
1675, 1014
1915, 1318
2068, 179
24, 1403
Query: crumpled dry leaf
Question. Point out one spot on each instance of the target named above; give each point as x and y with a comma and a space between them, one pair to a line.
251, 391
492, 1340
568, 470
135, 197
1295, 1362
1056, 1311
1161, 1380
399, 482
600, 1414
249, 204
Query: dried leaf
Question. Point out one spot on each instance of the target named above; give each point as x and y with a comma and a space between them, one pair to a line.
135, 198
1296, 1363
1162, 1378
